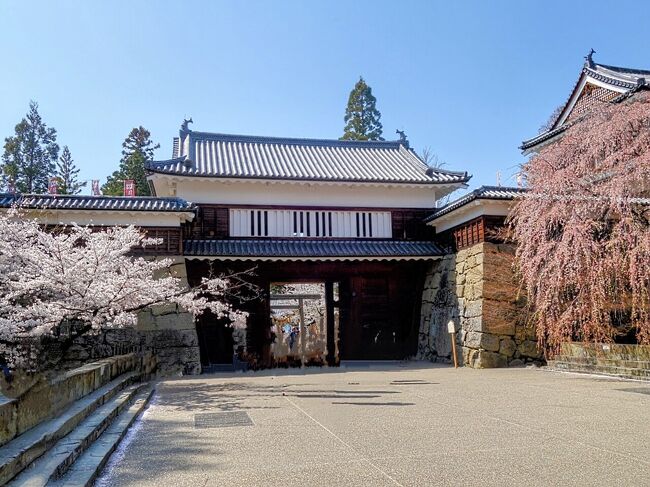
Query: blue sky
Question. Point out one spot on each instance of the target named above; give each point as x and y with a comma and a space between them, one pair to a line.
470, 79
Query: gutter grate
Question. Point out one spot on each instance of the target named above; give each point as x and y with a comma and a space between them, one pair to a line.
225, 419
411, 382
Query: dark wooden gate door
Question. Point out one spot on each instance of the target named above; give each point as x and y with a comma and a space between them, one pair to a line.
215, 340
372, 332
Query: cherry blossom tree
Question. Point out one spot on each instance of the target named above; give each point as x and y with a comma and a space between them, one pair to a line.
583, 229
78, 280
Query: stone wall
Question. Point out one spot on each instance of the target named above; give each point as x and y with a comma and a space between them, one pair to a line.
476, 288
167, 331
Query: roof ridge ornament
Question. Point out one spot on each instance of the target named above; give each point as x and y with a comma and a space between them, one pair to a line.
589, 59
402, 138
184, 125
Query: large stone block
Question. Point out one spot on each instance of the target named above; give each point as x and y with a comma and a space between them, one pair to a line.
485, 341
164, 309
179, 361
428, 295
461, 279
507, 347
146, 320
158, 339
172, 321
442, 344
529, 349
473, 291
473, 309
474, 276
472, 324
499, 291
525, 332
499, 317
474, 260
482, 359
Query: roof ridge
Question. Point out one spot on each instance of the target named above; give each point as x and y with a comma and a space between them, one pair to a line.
293, 140
82, 196
622, 69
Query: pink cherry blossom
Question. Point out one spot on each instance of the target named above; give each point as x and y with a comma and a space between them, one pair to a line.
583, 230
88, 278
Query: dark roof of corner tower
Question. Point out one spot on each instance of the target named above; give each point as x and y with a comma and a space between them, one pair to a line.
106, 203
614, 84
214, 155
504, 193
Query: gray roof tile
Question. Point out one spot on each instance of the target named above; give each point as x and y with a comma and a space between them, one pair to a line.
299, 248
108, 203
240, 156
504, 193
484, 192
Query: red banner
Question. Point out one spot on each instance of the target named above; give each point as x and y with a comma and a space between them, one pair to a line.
129, 187
53, 186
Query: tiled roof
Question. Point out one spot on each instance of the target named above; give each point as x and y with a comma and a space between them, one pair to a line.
538, 139
299, 248
108, 203
484, 192
627, 79
239, 156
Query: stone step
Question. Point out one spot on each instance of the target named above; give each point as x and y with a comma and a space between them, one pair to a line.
615, 362
624, 372
90, 463
58, 459
16, 455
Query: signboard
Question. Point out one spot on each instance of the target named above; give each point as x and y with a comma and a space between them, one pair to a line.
95, 188
129, 187
52, 187
451, 326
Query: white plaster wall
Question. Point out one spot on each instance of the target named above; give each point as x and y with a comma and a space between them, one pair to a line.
242, 192
470, 211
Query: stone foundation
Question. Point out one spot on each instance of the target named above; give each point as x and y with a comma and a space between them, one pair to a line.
477, 289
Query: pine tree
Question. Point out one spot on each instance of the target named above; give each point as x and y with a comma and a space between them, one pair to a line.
67, 173
137, 148
30, 155
361, 115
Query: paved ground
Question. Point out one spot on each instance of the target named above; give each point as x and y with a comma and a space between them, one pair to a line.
415, 425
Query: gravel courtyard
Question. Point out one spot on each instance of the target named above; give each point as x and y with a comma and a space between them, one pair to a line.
414, 424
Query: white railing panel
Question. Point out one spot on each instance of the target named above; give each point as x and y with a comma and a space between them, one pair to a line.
260, 222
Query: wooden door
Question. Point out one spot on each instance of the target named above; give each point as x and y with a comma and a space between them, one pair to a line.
371, 331
215, 340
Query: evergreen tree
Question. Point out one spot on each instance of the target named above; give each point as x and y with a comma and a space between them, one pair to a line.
137, 148
361, 115
67, 173
30, 155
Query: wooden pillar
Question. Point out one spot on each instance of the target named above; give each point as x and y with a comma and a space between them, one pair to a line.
329, 314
